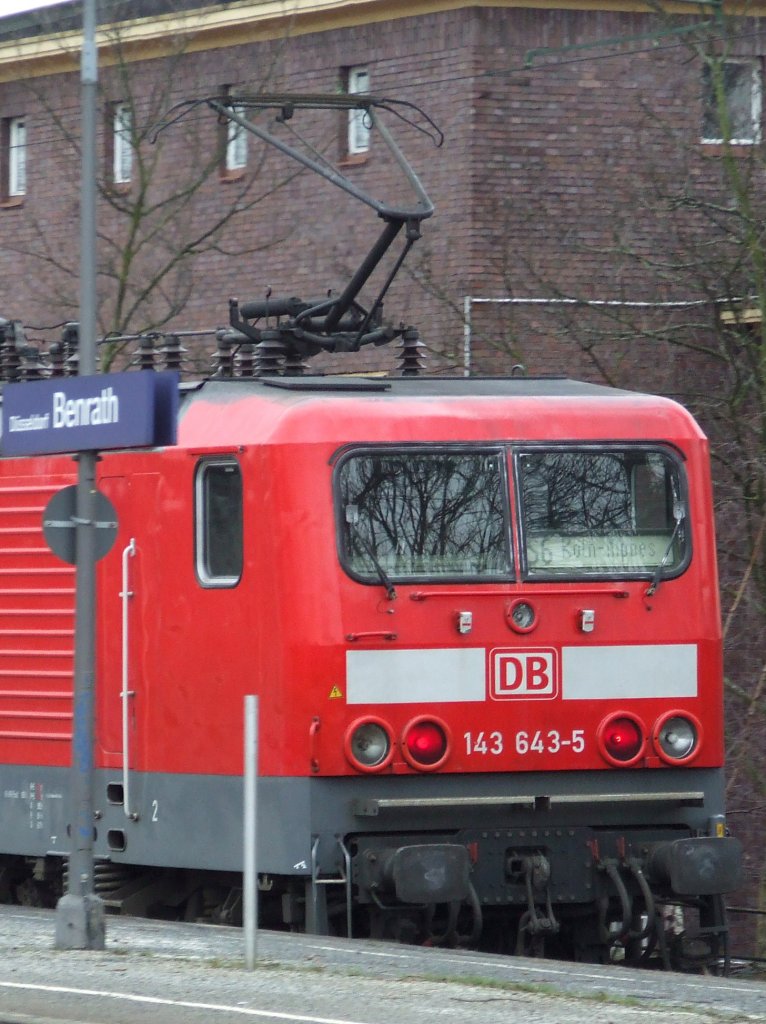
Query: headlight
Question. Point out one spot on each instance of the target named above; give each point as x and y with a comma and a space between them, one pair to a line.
368, 744
677, 737
521, 616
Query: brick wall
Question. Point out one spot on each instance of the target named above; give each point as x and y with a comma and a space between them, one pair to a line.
548, 173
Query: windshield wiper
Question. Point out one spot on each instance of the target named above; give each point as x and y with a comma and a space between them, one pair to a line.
678, 515
382, 574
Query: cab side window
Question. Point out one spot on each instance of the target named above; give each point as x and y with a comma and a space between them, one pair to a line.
218, 522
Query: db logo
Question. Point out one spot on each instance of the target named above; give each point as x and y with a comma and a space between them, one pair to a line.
524, 674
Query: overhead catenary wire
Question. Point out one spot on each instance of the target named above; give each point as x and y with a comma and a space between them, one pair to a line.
557, 301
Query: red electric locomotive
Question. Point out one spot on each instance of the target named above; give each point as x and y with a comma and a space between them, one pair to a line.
481, 616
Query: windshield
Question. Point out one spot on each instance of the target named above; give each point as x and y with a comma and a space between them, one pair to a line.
415, 513
601, 512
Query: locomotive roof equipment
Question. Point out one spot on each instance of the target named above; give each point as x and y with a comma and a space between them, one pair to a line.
335, 323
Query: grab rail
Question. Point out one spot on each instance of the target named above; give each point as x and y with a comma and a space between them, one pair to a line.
125, 693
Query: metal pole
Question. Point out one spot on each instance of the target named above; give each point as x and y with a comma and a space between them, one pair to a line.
467, 300
80, 913
250, 868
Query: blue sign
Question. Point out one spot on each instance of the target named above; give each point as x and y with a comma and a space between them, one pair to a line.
98, 412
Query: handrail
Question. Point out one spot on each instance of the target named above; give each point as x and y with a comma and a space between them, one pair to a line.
125, 693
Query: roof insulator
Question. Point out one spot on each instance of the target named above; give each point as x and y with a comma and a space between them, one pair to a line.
412, 353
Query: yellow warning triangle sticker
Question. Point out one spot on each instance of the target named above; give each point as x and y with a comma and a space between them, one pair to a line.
335, 693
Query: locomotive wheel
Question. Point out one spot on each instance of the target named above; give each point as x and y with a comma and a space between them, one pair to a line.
31, 893
704, 949
581, 940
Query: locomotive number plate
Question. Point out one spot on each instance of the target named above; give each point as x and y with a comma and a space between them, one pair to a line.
537, 741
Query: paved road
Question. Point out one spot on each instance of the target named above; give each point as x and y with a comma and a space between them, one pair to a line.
194, 974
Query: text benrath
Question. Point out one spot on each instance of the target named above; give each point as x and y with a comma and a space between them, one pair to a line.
85, 412
94, 411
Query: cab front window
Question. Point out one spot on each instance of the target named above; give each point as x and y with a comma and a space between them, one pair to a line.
414, 514
601, 512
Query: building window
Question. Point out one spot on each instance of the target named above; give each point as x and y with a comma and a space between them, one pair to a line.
731, 102
232, 138
17, 157
358, 81
236, 143
122, 143
13, 158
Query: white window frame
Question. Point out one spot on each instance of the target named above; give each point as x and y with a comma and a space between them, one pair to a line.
358, 123
205, 540
17, 156
122, 144
753, 137
236, 143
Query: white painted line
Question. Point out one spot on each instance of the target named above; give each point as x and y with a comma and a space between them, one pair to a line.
180, 1003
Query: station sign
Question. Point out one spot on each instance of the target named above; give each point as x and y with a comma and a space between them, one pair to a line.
97, 412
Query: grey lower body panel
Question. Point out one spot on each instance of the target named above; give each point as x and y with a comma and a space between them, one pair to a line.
196, 821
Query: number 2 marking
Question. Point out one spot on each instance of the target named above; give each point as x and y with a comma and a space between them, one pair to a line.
155, 810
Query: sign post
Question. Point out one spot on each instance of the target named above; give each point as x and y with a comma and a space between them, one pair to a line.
86, 414
80, 913
250, 818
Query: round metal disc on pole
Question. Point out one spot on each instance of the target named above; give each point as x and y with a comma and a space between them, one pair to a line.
60, 524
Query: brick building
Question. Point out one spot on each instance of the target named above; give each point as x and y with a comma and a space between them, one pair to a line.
561, 126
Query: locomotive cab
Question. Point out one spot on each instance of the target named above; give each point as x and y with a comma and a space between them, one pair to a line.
531, 677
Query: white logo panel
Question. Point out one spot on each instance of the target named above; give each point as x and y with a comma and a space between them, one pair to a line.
524, 674
629, 672
455, 675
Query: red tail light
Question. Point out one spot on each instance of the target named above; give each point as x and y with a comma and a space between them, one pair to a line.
425, 743
621, 739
